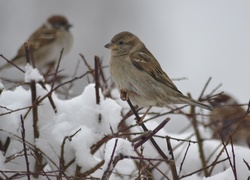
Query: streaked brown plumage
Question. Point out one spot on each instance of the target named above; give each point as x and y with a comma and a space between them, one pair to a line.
46, 43
228, 117
136, 71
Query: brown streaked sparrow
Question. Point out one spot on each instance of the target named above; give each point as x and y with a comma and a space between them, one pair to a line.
139, 76
228, 116
46, 43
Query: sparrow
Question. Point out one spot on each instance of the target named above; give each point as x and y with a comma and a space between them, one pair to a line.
139, 76
46, 43
229, 118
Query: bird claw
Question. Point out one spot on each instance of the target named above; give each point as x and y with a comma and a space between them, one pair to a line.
124, 95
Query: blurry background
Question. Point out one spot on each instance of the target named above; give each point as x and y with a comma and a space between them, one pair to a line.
193, 39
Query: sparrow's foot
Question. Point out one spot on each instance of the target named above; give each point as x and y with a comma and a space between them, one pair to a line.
124, 94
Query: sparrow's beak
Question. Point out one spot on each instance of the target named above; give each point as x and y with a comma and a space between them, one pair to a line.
111, 46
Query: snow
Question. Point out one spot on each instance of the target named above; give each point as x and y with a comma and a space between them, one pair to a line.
32, 74
80, 112
119, 146
80, 123
116, 147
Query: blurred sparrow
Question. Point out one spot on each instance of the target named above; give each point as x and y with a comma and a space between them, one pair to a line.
139, 76
227, 117
46, 43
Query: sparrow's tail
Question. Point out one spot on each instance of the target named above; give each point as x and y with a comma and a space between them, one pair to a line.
196, 103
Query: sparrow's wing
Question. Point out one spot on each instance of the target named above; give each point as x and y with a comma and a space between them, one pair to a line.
144, 60
41, 37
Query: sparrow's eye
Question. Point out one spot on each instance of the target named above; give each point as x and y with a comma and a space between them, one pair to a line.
57, 25
120, 42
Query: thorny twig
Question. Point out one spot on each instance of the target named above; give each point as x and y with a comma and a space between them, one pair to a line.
234, 162
220, 153
159, 170
57, 69
71, 85
185, 154
49, 97
31, 146
39, 157
153, 132
138, 119
62, 161
199, 140
88, 66
109, 169
228, 156
8, 61
202, 169
172, 160
247, 164
12, 111
24, 148
97, 83
204, 89
62, 84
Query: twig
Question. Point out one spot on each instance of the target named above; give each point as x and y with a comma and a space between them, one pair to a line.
108, 171
98, 144
141, 136
140, 164
160, 171
67, 94
49, 97
34, 109
234, 162
138, 119
172, 161
24, 148
205, 87
146, 129
39, 157
57, 69
202, 169
31, 146
179, 79
104, 79
88, 66
8, 61
228, 156
27, 47
6, 177
248, 166
238, 126
15, 110
97, 83
159, 127
90, 171
62, 161
185, 155
62, 84
215, 89
199, 140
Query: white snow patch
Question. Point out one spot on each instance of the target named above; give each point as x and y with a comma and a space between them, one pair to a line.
32, 74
